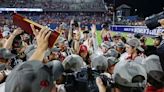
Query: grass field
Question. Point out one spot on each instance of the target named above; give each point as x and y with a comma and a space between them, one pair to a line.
149, 40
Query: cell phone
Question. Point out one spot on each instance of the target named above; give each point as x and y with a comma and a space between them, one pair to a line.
24, 24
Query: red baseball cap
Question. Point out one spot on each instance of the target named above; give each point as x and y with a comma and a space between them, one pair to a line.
83, 48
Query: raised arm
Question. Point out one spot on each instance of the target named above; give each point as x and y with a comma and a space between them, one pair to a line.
9, 42
42, 37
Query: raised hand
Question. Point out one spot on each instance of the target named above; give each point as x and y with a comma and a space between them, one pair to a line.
42, 37
93, 29
17, 31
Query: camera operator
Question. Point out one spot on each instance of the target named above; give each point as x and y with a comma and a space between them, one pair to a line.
72, 64
105, 67
159, 43
153, 22
160, 48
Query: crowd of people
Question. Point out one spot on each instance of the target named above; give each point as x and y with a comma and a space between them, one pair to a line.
27, 64
55, 19
55, 5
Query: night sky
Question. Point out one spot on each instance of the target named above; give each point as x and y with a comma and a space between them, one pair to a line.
144, 7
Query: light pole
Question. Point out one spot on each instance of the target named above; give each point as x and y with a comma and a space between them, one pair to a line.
114, 12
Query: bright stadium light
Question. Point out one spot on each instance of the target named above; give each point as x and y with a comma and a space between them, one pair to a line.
22, 9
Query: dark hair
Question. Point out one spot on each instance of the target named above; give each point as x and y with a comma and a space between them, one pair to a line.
75, 24
123, 39
135, 79
138, 51
155, 81
105, 25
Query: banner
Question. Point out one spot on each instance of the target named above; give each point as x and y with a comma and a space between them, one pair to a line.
136, 29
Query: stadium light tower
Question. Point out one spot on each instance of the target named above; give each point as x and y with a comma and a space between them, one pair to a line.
114, 12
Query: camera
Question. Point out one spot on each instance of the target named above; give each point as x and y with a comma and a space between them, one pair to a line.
85, 81
152, 21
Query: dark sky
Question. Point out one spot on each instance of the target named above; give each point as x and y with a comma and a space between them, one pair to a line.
145, 7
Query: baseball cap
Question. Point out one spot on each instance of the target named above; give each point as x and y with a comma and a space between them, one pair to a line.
158, 38
118, 34
83, 48
30, 53
111, 61
73, 62
151, 63
6, 33
129, 36
99, 62
126, 74
111, 53
135, 43
55, 49
120, 45
29, 48
6, 54
5, 67
154, 70
107, 45
156, 78
32, 76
